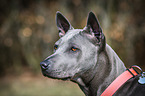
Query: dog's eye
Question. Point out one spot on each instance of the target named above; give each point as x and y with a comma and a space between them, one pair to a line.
74, 49
55, 47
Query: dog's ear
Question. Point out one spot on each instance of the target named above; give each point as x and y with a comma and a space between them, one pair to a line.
93, 28
93, 25
63, 24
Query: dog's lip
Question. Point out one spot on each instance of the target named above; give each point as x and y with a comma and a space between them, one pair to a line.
65, 79
59, 78
56, 77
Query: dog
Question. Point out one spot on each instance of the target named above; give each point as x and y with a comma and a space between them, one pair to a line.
83, 56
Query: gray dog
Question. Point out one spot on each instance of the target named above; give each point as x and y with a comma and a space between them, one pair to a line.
82, 56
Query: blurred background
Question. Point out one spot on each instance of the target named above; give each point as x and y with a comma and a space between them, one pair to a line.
28, 32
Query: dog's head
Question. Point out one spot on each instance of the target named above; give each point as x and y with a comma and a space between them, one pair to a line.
76, 51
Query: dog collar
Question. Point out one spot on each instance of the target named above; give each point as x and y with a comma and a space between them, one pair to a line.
120, 80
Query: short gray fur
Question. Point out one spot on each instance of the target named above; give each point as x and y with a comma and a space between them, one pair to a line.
94, 64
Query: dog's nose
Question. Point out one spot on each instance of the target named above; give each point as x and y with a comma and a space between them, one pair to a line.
44, 65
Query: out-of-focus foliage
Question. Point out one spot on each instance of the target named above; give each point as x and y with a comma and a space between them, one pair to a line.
28, 30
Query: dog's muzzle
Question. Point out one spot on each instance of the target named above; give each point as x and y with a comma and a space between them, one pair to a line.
45, 68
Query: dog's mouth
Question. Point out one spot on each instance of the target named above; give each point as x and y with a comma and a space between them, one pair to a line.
54, 76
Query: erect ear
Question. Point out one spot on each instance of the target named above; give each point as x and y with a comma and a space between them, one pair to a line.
93, 25
93, 28
63, 24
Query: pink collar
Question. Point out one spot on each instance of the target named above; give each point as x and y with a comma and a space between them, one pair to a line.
120, 80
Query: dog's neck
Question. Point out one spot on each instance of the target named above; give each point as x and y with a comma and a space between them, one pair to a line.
108, 67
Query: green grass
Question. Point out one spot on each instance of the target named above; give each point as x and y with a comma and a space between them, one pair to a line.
30, 85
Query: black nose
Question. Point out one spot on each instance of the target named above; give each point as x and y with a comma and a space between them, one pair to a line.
44, 65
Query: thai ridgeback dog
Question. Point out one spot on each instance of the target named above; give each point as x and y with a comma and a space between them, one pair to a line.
83, 56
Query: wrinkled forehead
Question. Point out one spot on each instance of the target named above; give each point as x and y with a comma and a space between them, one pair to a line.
71, 35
